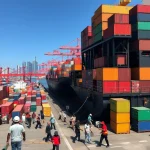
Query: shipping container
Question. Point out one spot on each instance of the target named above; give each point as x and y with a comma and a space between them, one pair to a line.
33, 98
139, 17
113, 9
46, 110
100, 62
38, 101
7, 108
18, 111
116, 30
89, 74
140, 126
118, 19
21, 100
140, 45
124, 87
140, 9
121, 60
135, 86
119, 128
76, 67
120, 117
28, 98
140, 113
141, 26
94, 74
107, 87
29, 92
107, 74
140, 73
27, 107
124, 74
120, 105
141, 34
144, 86
98, 37
43, 96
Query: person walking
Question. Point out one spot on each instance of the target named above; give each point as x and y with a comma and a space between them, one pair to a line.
33, 117
48, 132
38, 122
104, 134
90, 119
77, 131
73, 122
29, 120
23, 120
64, 116
52, 121
16, 132
60, 115
56, 141
42, 117
88, 131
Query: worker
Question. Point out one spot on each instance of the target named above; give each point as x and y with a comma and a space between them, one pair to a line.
73, 121
38, 122
16, 131
33, 117
64, 116
87, 129
77, 131
56, 141
48, 132
29, 120
52, 121
90, 119
104, 134
60, 115
23, 120
42, 117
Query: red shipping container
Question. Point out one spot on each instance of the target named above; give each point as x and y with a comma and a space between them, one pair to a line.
144, 86
124, 87
27, 107
18, 108
29, 92
102, 62
28, 98
117, 30
124, 74
121, 60
38, 101
109, 87
135, 85
21, 100
7, 108
118, 18
140, 9
142, 45
33, 92
43, 96
16, 102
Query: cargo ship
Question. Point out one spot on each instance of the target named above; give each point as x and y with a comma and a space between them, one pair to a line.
115, 59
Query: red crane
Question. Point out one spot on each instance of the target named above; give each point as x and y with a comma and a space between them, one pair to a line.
75, 49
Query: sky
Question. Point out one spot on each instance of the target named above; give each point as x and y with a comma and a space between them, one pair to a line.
30, 28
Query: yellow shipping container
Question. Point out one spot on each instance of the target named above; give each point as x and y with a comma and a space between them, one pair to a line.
120, 105
120, 117
76, 67
113, 9
120, 127
47, 114
140, 73
107, 74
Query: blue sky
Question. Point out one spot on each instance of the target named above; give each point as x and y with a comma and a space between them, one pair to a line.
29, 28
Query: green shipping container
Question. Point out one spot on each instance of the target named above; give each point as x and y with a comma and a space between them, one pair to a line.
141, 26
97, 37
33, 108
97, 29
140, 113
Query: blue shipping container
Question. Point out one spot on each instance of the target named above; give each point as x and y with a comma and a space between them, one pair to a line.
38, 95
10, 100
44, 101
141, 35
139, 17
140, 126
16, 96
16, 113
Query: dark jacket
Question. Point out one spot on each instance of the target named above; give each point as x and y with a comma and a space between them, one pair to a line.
42, 116
48, 129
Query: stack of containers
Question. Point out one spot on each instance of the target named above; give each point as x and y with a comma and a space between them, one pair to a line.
76, 66
21, 100
120, 115
33, 107
46, 110
16, 97
18, 111
6, 109
140, 47
100, 19
86, 37
44, 101
140, 119
27, 106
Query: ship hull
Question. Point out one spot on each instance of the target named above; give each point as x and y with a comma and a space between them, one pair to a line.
95, 104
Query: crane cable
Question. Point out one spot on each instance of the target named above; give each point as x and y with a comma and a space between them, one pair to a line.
83, 103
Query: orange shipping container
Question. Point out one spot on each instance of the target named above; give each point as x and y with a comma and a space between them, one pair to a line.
107, 74
76, 67
140, 73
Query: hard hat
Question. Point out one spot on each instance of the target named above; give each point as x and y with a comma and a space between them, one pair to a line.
16, 119
90, 114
